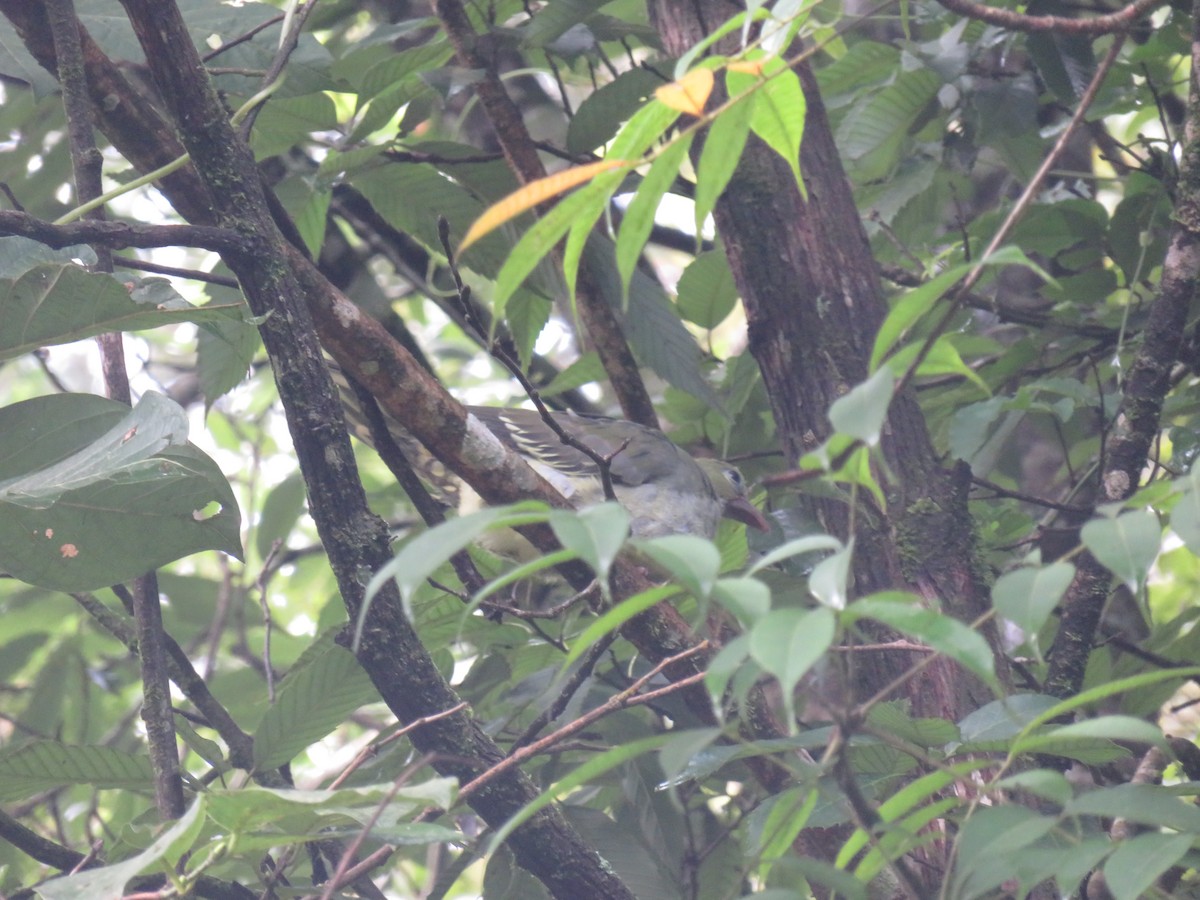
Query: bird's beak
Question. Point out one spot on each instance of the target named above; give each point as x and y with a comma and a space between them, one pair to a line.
742, 510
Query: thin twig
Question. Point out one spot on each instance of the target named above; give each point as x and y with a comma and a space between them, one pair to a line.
626, 698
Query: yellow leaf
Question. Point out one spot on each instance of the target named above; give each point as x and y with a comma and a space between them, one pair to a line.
746, 66
529, 196
689, 93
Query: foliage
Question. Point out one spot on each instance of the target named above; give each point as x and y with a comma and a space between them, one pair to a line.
872, 699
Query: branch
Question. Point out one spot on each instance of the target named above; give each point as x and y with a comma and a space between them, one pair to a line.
1014, 21
119, 235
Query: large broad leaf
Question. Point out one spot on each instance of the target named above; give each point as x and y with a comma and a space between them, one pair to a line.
93, 493
1126, 545
601, 114
658, 337
312, 701
110, 881
58, 303
49, 765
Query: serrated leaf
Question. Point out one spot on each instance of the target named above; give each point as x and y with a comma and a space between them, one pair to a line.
48, 765
723, 147
93, 493
311, 703
545, 234
706, 292
638, 220
224, 350
602, 112
659, 339
894, 720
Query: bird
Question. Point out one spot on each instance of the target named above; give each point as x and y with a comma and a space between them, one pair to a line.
664, 489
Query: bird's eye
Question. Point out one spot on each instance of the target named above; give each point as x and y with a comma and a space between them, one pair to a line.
734, 476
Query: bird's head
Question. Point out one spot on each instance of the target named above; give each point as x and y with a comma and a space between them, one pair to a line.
730, 487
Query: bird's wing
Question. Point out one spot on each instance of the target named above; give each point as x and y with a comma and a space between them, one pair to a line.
638, 454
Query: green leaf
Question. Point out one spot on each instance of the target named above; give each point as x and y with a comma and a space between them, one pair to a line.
110, 881
876, 128
545, 234
722, 149
707, 294
809, 544
641, 132
910, 308
1116, 728
421, 556
311, 703
602, 112
614, 618
593, 768
1147, 804
987, 842
891, 718
595, 534
1139, 861
1127, 545
1028, 595
659, 339
263, 817
747, 598
281, 510
941, 632
287, 120
638, 221
93, 493
1185, 514
779, 112
862, 412
830, 578
224, 350
942, 358
57, 304
692, 561
789, 642
49, 765
586, 370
